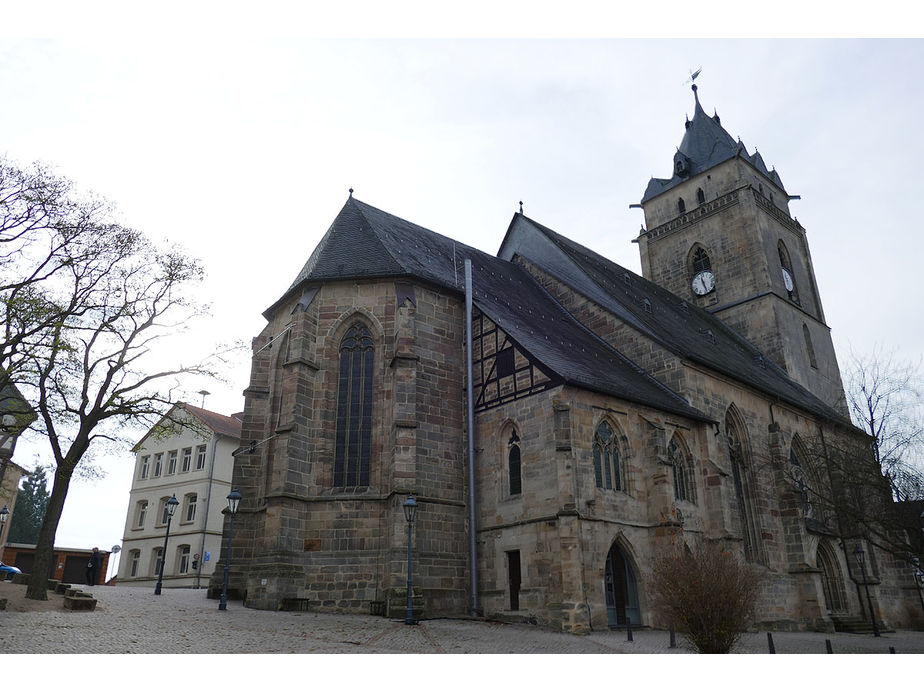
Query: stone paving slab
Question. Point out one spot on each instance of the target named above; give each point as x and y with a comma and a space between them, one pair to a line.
131, 619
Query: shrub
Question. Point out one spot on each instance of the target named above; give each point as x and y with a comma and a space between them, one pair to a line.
707, 593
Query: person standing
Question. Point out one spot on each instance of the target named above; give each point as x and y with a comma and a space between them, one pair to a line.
96, 560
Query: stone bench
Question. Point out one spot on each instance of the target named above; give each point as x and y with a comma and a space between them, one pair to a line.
62, 587
84, 602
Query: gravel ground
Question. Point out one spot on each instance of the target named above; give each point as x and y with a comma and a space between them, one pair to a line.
133, 620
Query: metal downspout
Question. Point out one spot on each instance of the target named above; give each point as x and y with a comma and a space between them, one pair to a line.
208, 502
473, 557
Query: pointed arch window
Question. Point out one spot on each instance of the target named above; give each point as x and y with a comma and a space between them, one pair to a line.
681, 205
789, 279
608, 469
809, 349
700, 196
353, 447
682, 470
743, 500
701, 262
514, 478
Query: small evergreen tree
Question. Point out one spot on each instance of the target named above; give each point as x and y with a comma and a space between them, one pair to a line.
31, 503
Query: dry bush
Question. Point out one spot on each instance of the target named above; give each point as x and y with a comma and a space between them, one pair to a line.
707, 593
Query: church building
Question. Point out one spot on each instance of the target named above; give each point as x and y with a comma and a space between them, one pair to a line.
603, 416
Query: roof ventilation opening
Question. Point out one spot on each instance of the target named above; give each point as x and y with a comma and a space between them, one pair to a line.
647, 306
708, 334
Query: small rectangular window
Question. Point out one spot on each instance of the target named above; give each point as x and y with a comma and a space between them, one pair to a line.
505, 362
158, 463
184, 559
200, 457
187, 459
136, 555
191, 507
171, 462
145, 460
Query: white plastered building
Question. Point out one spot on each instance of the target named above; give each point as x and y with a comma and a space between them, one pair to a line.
187, 455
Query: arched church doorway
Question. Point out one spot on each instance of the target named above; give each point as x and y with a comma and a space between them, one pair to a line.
832, 582
621, 590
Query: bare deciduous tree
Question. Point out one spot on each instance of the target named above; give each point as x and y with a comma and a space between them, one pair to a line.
886, 399
86, 304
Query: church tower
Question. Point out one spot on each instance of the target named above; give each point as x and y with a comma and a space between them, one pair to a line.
718, 233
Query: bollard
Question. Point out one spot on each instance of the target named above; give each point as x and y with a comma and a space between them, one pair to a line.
770, 642
828, 646
629, 628
891, 649
673, 638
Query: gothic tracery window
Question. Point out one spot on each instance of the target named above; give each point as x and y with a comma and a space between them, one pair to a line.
353, 447
682, 471
608, 469
743, 500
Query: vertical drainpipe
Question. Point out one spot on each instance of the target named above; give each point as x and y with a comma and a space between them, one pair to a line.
205, 515
472, 557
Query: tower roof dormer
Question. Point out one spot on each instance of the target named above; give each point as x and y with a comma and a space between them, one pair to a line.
705, 144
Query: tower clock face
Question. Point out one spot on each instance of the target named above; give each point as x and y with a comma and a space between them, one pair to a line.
703, 283
787, 280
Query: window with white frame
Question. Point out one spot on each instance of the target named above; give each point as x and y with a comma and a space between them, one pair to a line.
200, 457
171, 462
157, 556
189, 511
158, 463
183, 556
141, 511
163, 511
187, 459
134, 558
145, 463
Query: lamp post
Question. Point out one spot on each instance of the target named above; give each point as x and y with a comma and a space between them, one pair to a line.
410, 512
170, 508
859, 554
234, 500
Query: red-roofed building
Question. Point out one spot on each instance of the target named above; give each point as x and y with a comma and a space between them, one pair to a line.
187, 455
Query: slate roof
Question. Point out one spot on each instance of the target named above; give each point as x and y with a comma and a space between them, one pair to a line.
365, 242
706, 144
682, 328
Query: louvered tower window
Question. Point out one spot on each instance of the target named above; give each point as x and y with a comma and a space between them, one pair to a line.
354, 408
701, 262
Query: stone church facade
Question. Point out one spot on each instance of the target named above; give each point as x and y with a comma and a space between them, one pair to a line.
613, 415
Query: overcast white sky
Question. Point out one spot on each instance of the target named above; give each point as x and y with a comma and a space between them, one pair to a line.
243, 149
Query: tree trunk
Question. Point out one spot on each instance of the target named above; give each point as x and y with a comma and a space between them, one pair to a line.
44, 549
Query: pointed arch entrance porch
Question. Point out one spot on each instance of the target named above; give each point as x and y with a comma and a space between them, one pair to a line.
621, 588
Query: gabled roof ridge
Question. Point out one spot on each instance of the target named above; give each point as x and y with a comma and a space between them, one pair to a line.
606, 346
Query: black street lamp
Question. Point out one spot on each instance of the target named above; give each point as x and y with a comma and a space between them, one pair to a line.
859, 554
234, 500
410, 512
170, 507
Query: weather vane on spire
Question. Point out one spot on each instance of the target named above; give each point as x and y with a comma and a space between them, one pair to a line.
693, 76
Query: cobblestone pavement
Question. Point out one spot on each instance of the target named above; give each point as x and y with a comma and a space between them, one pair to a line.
134, 620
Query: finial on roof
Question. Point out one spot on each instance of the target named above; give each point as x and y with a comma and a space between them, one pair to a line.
521, 206
351, 192
715, 117
687, 123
